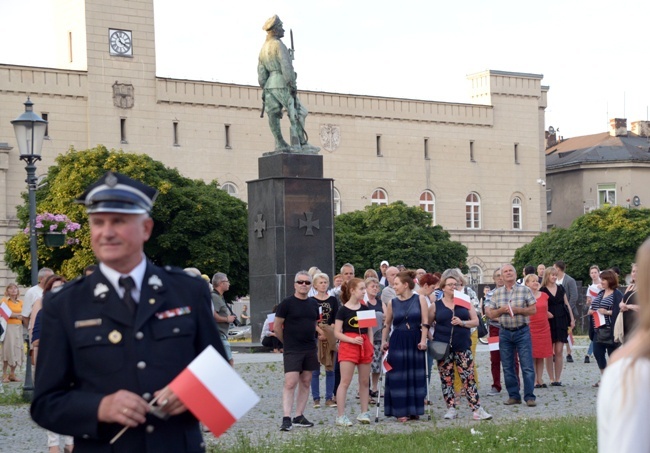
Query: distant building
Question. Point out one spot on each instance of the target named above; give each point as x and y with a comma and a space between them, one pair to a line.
473, 167
588, 172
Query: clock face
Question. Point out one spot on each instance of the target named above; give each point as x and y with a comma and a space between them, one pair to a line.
120, 42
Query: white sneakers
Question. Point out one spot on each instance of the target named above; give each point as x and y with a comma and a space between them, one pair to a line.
451, 413
343, 420
364, 418
480, 414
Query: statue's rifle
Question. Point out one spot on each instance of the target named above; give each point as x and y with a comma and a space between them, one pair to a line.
292, 52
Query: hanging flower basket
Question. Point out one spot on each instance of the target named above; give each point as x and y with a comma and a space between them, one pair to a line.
54, 239
54, 228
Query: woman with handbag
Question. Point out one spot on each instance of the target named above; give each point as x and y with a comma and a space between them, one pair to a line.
629, 308
560, 320
453, 323
603, 337
463, 288
406, 321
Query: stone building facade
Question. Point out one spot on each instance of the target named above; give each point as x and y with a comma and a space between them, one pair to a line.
473, 166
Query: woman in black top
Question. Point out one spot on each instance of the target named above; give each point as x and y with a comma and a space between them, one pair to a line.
629, 307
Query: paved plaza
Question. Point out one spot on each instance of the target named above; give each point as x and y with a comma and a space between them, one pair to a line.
263, 372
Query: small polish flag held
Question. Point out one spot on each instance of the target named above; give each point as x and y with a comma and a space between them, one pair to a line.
366, 318
211, 389
493, 343
599, 319
5, 311
320, 313
570, 339
270, 318
462, 300
593, 291
384, 363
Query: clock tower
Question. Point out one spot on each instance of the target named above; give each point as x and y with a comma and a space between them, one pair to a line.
121, 68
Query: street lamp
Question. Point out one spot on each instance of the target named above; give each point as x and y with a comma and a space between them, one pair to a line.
30, 131
474, 273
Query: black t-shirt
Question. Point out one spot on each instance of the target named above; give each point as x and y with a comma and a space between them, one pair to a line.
300, 316
349, 318
330, 307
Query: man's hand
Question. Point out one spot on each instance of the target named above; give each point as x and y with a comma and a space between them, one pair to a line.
123, 407
168, 402
231, 318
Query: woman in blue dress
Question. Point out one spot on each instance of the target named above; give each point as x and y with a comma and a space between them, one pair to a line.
406, 318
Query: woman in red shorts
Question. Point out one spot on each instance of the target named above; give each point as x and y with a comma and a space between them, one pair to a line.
355, 349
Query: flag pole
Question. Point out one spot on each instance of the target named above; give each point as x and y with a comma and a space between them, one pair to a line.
118, 435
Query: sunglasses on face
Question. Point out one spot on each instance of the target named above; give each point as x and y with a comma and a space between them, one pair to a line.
303, 282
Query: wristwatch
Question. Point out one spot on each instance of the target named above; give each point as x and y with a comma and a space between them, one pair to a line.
463, 323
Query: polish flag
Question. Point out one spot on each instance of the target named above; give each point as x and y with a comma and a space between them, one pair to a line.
211, 389
599, 319
493, 343
366, 318
593, 291
462, 300
270, 318
384, 363
5, 311
570, 339
320, 313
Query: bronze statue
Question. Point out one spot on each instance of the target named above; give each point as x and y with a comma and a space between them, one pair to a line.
278, 79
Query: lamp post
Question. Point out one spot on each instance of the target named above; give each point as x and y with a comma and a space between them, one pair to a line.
473, 273
30, 131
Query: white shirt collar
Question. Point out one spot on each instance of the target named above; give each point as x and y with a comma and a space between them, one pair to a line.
137, 274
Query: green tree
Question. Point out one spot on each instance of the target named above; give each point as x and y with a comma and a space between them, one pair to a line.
397, 233
606, 237
195, 224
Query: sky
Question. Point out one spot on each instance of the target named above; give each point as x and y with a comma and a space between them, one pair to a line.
592, 54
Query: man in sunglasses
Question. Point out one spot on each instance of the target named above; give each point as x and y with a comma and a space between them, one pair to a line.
295, 326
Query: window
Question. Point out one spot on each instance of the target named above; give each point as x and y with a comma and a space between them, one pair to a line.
379, 197
428, 204
47, 126
230, 188
336, 199
471, 151
123, 131
379, 146
516, 153
176, 134
606, 195
227, 134
426, 148
516, 213
473, 211
549, 201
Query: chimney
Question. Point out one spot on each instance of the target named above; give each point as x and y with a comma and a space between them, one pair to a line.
641, 128
618, 127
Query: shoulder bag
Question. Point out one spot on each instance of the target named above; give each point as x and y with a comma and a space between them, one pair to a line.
482, 329
619, 326
604, 335
442, 349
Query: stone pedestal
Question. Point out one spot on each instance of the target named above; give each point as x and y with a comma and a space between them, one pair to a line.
290, 228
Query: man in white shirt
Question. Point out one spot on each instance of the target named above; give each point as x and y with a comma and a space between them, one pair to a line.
33, 294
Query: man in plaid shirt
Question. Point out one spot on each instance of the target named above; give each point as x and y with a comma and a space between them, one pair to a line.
512, 305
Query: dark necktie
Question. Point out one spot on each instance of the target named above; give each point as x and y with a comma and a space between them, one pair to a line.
128, 284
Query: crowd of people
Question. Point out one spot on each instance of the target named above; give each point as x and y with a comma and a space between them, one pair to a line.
420, 321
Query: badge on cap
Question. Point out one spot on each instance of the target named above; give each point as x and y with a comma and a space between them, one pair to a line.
115, 337
115, 192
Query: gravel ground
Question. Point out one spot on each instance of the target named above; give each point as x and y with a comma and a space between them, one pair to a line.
263, 372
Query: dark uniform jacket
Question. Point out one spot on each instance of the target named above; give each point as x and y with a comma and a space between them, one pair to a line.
91, 346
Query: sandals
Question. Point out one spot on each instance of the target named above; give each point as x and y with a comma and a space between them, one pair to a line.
403, 419
13, 378
557, 384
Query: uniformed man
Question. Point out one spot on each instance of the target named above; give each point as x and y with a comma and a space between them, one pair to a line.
112, 341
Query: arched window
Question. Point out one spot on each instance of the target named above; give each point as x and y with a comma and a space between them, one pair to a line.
516, 213
230, 188
473, 211
336, 199
379, 197
428, 204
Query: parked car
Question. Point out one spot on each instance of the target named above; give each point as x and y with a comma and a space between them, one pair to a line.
239, 333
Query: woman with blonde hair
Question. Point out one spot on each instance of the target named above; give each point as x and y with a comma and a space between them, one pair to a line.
12, 346
624, 394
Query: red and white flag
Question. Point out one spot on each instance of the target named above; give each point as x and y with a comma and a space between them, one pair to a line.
5, 311
384, 363
462, 300
599, 319
320, 313
367, 318
593, 291
493, 343
270, 318
211, 389
570, 339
